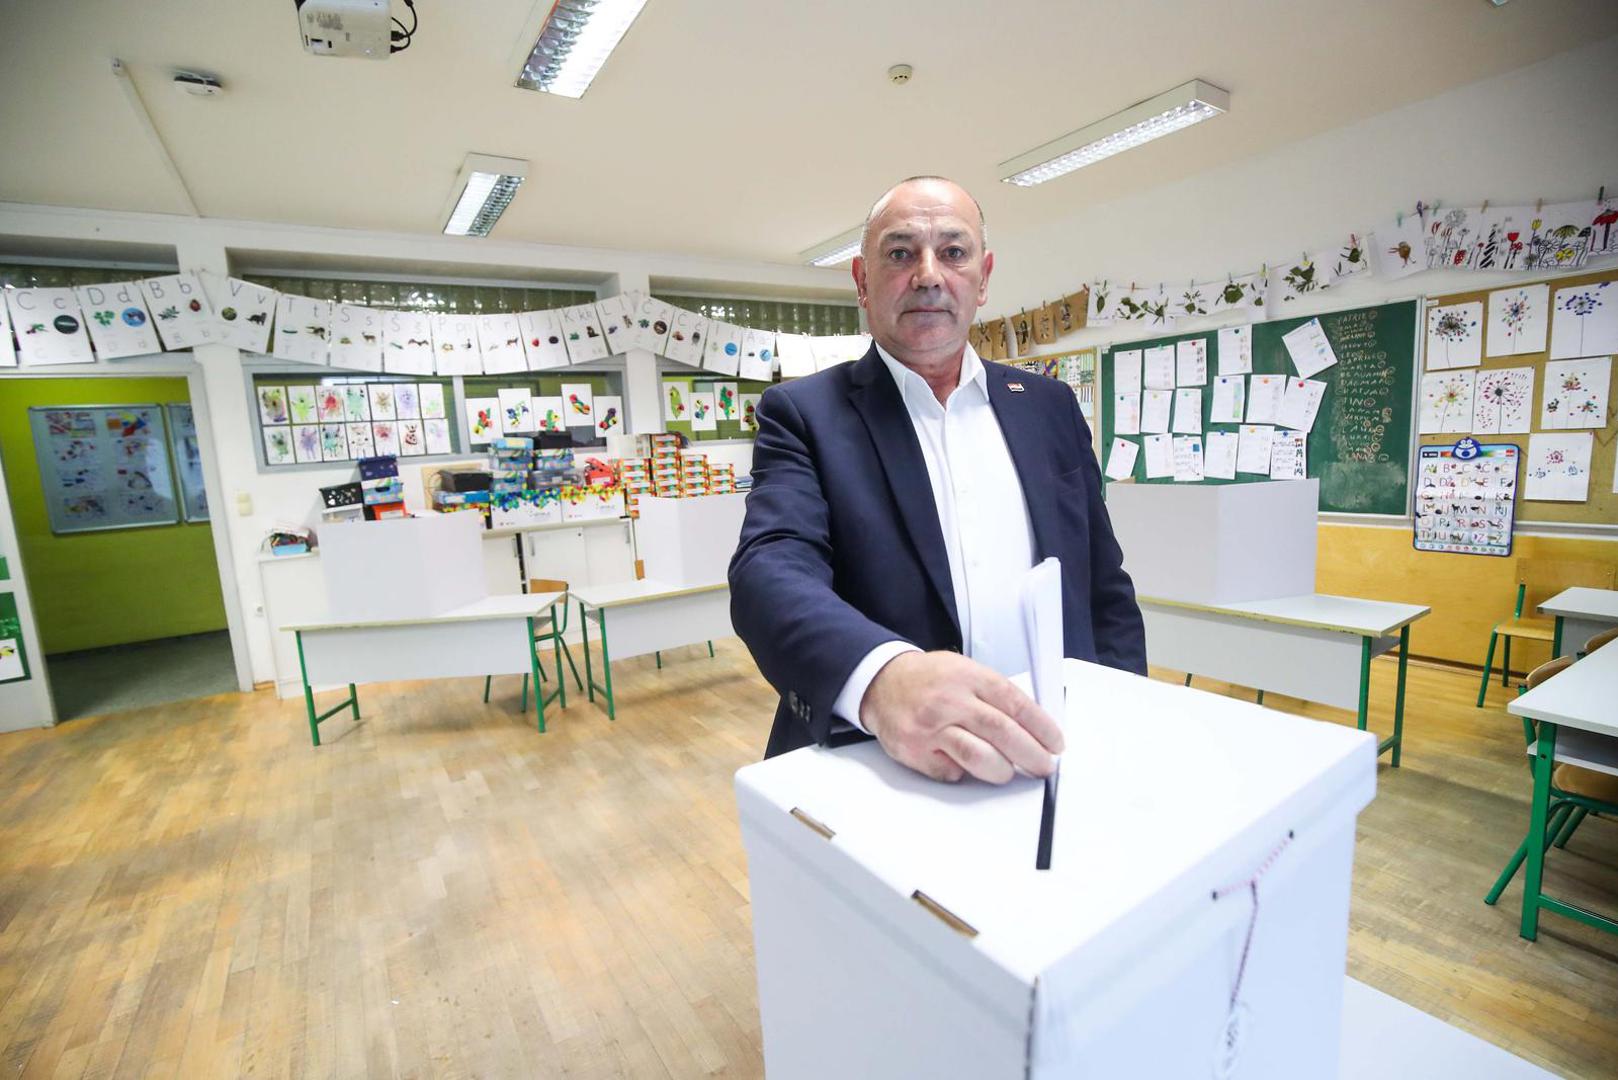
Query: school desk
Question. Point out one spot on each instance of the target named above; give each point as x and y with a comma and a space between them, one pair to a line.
491, 636
1315, 647
648, 616
1580, 698
1580, 613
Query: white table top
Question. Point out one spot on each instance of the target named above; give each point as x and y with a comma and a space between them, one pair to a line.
1584, 696
1584, 603
638, 592
1348, 614
550, 526
503, 606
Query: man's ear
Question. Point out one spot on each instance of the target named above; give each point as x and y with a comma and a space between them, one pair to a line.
858, 269
983, 286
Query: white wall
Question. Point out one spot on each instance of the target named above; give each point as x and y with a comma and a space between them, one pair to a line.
224, 422
1544, 131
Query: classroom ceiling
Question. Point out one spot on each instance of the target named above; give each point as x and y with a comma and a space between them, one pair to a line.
742, 130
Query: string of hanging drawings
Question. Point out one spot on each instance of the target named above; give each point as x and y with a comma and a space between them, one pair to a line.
180, 311
1533, 239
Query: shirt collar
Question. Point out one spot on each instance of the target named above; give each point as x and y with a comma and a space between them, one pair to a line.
913, 387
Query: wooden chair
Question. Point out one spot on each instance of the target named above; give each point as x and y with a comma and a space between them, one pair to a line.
1537, 581
1575, 791
1598, 640
545, 637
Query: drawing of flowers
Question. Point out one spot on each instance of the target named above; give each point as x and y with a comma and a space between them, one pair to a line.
1451, 395
1514, 312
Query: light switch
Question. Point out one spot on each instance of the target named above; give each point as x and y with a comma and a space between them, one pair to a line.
244, 503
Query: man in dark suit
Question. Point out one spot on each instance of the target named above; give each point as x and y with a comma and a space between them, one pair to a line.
897, 502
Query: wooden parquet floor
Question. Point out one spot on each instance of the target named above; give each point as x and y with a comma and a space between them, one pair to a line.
195, 891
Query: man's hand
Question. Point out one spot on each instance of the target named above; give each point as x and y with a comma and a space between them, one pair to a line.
947, 716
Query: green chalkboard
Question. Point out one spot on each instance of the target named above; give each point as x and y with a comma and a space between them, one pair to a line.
1360, 444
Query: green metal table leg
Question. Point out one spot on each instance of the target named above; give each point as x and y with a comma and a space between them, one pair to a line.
308, 693
354, 700
1365, 680
606, 665
1556, 639
1544, 759
556, 649
1260, 700
1399, 695
584, 630
659, 656
533, 669
710, 650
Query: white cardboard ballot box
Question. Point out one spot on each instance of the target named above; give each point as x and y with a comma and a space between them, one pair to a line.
1217, 544
901, 929
689, 541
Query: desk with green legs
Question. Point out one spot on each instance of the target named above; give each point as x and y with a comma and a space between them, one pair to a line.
634, 618
1581, 613
1578, 724
491, 636
1315, 647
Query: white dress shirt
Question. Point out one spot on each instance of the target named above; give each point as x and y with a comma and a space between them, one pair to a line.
982, 514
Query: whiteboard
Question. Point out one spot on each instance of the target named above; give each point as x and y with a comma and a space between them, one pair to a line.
104, 466
187, 454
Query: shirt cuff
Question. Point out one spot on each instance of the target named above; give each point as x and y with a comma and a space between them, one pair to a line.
847, 705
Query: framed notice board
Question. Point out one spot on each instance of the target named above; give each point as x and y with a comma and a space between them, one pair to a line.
187, 454
104, 467
1360, 446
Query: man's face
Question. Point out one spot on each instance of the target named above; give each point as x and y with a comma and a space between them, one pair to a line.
923, 273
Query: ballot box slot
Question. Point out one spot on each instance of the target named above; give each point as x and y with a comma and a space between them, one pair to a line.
944, 914
823, 830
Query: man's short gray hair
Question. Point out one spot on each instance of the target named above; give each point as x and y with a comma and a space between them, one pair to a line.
865, 229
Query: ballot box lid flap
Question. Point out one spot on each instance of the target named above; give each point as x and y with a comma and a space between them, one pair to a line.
1165, 794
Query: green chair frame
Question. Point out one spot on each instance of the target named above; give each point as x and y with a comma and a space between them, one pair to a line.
552, 635
1494, 637
1565, 814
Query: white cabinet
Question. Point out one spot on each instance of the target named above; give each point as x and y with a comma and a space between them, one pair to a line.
557, 555
609, 553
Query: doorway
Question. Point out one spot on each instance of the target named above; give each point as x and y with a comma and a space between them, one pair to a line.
115, 537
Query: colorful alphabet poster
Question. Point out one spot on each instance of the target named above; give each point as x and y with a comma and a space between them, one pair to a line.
1466, 497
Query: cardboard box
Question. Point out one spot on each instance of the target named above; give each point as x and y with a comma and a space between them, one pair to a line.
1217, 544
901, 929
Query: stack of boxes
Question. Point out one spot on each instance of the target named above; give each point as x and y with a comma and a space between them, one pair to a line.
511, 461
666, 466
635, 476
721, 479
382, 492
462, 491
693, 473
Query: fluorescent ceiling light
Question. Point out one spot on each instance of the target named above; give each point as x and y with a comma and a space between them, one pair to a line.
481, 194
838, 249
1151, 119
574, 41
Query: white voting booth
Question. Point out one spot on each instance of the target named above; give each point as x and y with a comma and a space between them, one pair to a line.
902, 931
689, 541
1217, 544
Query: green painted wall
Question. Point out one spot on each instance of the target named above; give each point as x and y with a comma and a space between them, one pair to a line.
103, 588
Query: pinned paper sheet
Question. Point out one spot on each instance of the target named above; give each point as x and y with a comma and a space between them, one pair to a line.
1154, 410
1126, 414
516, 412
796, 359
578, 405
703, 415
1229, 399
500, 342
356, 339
1301, 403
723, 352
482, 420
1584, 320
1264, 396
758, 355
1191, 362
184, 316
542, 339
1159, 368
1253, 451
455, 344
1121, 461
1219, 455
1126, 371
1187, 458
1159, 456
116, 316
407, 342
583, 334
1236, 350
1576, 393
652, 318
301, 326
1454, 336
1446, 402
1519, 319
1188, 412
1502, 403
1288, 459
243, 311
1310, 351
1558, 467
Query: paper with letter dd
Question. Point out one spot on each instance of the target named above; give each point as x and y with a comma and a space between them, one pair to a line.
1042, 632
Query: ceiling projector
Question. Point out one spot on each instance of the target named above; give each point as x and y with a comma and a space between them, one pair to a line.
346, 28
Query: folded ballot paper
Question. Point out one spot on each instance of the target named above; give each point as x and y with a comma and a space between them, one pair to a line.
1042, 634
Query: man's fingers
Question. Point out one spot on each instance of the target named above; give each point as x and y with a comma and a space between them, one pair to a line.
938, 765
999, 692
975, 756
1013, 741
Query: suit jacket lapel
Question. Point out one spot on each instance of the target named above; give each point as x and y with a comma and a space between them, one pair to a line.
1029, 453
876, 398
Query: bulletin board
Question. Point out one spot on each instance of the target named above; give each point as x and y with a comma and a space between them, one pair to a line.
187, 455
680, 405
104, 467
1601, 508
1360, 445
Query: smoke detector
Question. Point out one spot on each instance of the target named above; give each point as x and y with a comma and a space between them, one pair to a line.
899, 74
198, 84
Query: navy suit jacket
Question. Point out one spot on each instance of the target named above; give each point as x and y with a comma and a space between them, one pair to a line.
841, 549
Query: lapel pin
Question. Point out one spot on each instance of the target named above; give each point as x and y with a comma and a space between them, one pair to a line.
1014, 387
